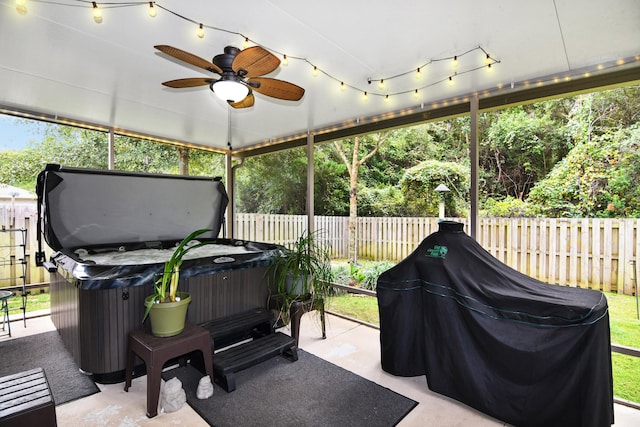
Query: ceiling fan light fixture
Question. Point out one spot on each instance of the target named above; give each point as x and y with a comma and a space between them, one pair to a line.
21, 7
230, 90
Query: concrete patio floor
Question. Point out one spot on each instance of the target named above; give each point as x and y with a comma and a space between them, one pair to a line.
350, 345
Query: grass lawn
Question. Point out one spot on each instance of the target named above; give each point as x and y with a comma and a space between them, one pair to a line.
625, 330
35, 301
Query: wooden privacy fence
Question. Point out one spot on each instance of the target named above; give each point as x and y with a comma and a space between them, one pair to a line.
594, 253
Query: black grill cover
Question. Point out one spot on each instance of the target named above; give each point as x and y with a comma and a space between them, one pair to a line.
520, 350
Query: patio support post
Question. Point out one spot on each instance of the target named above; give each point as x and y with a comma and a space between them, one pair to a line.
475, 165
231, 207
310, 183
110, 149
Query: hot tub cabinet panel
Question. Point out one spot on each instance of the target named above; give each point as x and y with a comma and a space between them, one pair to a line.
95, 324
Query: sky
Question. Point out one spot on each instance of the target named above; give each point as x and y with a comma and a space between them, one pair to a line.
15, 133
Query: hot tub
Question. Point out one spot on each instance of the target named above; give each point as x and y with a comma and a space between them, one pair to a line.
112, 232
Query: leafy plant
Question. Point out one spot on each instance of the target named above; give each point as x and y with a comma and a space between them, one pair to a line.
166, 287
301, 272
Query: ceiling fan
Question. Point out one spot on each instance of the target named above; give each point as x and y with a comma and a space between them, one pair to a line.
239, 71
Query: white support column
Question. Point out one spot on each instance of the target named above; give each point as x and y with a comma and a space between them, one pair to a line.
310, 183
475, 166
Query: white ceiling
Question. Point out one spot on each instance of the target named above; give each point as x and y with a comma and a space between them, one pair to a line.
57, 61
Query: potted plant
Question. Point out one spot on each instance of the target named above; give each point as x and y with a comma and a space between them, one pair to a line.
301, 273
167, 308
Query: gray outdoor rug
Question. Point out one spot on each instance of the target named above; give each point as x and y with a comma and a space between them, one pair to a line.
47, 351
309, 392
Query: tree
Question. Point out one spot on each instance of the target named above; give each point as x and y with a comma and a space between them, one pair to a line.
419, 183
520, 147
598, 178
273, 183
370, 144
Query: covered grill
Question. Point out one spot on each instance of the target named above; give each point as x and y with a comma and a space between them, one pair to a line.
518, 349
112, 232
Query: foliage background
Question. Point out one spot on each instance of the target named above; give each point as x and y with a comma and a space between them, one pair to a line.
569, 157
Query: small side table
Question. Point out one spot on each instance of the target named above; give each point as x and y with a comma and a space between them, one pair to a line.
156, 351
4, 308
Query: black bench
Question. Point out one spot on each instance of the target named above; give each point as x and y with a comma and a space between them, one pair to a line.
25, 400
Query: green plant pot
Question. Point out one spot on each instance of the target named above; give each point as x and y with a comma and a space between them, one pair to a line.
168, 318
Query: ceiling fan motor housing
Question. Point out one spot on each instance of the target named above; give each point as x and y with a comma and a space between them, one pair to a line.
225, 60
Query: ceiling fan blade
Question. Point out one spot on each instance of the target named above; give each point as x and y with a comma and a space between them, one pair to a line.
189, 58
256, 60
191, 82
277, 88
245, 103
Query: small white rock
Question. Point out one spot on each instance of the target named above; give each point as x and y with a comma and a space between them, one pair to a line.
172, 395
205, 388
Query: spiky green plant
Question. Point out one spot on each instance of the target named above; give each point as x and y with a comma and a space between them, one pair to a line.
306, 263
166, 287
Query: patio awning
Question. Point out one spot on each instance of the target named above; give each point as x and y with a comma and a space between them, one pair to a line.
60, 65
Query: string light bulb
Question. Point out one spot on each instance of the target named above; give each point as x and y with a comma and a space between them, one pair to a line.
200, 31
418, 74
455, 61
246, 43
386, 98
152, 10
97, 13
489, 69
416, 94
342, 86
365, 96
21, 7
488, 59
285, 61
315, 71
450, 80
381, 84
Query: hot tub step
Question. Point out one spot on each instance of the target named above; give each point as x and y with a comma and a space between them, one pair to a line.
226, 363
249, 324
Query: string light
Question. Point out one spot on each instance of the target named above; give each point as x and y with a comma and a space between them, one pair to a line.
416, 94
455, 61
200, 31
21, 7
488, 59
152, 10
315, 71
418, 74
285, 61
246, 43
97, 13
489, 69
450, 80
386, 98
342, 86
381, 84
365, 96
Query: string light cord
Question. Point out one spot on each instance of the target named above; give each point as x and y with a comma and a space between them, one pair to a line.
431, 61
89, 4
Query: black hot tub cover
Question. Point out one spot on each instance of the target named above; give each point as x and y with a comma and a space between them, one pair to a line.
523, 351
